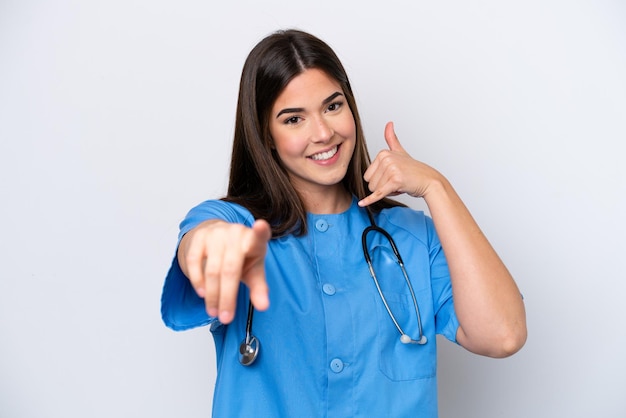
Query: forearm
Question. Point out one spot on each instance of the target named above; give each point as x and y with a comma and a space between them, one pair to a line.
487, 301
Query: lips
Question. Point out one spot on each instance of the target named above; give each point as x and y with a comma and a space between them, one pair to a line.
326, 155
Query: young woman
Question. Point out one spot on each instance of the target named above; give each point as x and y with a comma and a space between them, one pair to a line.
350, 331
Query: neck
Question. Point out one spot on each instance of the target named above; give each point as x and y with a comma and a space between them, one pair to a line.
327, 201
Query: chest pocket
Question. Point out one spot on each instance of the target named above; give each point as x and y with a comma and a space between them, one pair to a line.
399, 361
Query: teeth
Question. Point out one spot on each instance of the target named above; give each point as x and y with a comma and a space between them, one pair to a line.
324, 155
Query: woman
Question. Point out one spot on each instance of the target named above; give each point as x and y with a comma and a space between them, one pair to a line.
350, 332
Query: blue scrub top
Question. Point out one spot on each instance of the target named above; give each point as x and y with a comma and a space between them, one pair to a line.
328, 346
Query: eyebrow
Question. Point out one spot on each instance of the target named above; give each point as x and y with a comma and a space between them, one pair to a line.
301, 109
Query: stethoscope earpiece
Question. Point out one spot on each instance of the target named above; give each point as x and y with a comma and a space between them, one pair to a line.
405, 339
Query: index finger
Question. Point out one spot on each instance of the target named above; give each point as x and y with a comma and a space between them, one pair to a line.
255, 274
244, 262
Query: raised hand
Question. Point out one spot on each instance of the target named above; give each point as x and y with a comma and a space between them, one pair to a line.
394, 172
216, 256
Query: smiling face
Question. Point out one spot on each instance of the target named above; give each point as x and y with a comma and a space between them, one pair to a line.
313, 132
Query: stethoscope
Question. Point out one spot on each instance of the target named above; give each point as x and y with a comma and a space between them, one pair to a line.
250, 346
404, 337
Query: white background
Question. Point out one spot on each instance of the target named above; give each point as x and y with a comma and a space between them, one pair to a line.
117, 116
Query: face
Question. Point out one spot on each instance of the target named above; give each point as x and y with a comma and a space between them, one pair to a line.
314, 132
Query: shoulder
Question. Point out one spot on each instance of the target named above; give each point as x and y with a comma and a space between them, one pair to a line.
216, 209
416, 223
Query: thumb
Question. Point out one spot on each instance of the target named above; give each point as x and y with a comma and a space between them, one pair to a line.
391, 138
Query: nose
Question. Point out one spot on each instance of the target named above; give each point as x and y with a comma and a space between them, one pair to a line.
323, 131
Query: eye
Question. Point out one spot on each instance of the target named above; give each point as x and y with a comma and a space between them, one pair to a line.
292, 120
334, 106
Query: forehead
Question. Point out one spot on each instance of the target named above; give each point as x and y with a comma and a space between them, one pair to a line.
310, 86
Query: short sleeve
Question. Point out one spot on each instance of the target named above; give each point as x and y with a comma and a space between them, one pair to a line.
446, 322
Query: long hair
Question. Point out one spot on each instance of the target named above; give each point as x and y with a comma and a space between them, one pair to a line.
258, 181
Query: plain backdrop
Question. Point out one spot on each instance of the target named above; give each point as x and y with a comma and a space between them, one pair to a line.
116, 117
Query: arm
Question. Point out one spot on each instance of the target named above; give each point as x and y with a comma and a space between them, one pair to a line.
487, 301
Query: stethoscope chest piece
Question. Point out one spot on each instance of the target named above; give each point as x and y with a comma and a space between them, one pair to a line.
248, 351
249, 347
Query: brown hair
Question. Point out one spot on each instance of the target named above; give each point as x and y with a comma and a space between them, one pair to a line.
258, 180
